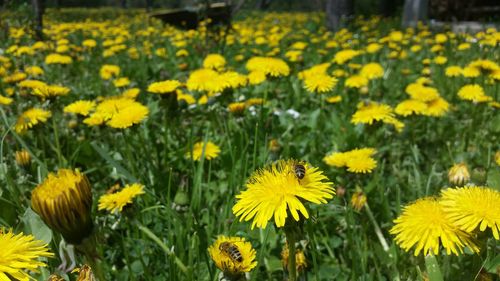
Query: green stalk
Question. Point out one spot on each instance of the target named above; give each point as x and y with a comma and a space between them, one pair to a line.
378, 231
164, 247
432, 266
290, 238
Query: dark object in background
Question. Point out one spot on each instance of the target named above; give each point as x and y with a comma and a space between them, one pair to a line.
189, 18
337, 11
464, 10
415, 11
38, 9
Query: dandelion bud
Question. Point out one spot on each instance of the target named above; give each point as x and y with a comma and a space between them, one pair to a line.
23, 158
340, 191
363, 90
458, 174
55, 277
300, 259
237, 107
274, 145
63, 201
358, 200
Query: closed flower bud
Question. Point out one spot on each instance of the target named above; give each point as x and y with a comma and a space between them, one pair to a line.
358, 200
23, 158
458, 174
64, 201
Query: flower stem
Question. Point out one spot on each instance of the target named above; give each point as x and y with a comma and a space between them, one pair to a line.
378, 231
290, 238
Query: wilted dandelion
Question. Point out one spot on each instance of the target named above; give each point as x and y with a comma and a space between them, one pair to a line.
20, 253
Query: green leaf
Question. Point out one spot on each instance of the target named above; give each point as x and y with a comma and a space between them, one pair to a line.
492, 264
33, 224
494, 179
432, 266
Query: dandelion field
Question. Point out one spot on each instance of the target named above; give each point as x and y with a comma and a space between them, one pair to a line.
154, 153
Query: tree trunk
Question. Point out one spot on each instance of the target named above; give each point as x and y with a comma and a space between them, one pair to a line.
337, 12
38, 24
414, 11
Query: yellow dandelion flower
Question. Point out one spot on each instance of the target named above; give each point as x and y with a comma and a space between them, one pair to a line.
233, 255
5, 100
275, 191
371, 113
64, 201
358, 160
459, 174
437, 107
34, 70
163, 87
233, 79
356, 81
256, 77
473, 206
343, 56
361, 164
410, 107
108, 71
115, 202
89, 43
214, 61
121, 82
334, 99
453, 71
20, 253
205, 80
372, 71
189, 99
425, 225
30, 118
82, 107
209, 150
58, 59
254, 101
273, 67
128, 116
471, 72
15, 77
474, 93
131, 93
417, 91
319, 83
